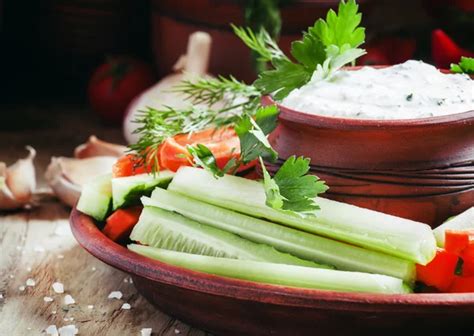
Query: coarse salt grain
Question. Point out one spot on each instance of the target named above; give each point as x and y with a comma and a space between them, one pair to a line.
51, 330
125, 280
11, 276
48, 299
126, 306
28, 269
58, 287
177, 331
146, 331
115, 295
69, 330
21, 288
60, 256
30, 282
1, 296
90, 306
53, 312
68, 300
93, 269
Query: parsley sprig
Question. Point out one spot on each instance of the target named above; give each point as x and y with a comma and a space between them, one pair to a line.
466, 65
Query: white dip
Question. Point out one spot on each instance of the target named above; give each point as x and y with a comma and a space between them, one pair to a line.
405, 91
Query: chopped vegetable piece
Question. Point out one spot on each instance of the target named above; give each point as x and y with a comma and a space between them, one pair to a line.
461, 222
463, 284
128, 165
164, 229
120, 223
440, 272
301, 244
96, 197
278, 274
362, 227
468, 261
458, 240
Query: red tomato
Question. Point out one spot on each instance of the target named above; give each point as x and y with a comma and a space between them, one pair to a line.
114, 85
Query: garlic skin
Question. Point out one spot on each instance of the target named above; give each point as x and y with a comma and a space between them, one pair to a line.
96, 147
191, 66
17, 182
66, 176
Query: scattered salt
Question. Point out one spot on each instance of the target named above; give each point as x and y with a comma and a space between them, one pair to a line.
126, 306
69, 330
58, 287
48, 299
90, 306
18, 247
125, 280
11, 276
21, 288
1, 296
30, 282
93, 269
115, 295
60, 256
53, 312
130, 280
28, 269
146, 331
28, 328
68, 300
51, 330
176, 331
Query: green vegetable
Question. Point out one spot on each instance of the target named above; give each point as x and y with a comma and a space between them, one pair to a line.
366, 228
460, 222
291, 188
298, 243
127, 190
466, 65
96, 198
168, 230
286, 275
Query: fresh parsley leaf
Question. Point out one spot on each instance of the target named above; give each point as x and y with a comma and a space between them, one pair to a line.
291, 188
466, 65
341, 29
204, 158
253, 134
309, 51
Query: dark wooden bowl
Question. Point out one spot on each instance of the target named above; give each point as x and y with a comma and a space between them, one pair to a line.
226, 306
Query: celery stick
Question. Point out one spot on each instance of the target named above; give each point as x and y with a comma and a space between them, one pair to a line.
278, 274
366, 228
301, 244
168, 230
460, 222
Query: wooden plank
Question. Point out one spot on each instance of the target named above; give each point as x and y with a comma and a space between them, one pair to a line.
39, 245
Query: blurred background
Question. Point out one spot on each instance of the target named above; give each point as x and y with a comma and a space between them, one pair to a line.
50, 49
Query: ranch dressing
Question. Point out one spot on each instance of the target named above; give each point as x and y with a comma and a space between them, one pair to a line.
405, 91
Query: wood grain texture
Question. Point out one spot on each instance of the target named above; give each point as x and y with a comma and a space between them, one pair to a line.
24, 235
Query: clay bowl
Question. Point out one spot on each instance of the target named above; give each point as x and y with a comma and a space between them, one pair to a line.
226, 306
386, 165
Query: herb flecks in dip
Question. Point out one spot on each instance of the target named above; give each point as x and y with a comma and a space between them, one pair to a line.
405, 91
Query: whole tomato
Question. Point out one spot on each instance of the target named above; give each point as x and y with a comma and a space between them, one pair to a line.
115, 83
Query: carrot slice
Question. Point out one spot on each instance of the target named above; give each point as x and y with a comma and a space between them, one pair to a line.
468, 261
119, 224
128, 165
458, 240
464, 284
440, 271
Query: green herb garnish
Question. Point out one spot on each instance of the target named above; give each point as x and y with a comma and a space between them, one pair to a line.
466, 65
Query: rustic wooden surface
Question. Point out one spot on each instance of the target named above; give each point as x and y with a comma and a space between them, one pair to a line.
38, 245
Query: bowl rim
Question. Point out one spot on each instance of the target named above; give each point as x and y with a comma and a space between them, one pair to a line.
95, 242
301, 117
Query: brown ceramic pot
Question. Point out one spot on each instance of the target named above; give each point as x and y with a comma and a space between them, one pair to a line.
226, 306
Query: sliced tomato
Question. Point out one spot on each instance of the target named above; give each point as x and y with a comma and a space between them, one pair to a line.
440, 272
119, 224
456, 241
462, 284
128, 165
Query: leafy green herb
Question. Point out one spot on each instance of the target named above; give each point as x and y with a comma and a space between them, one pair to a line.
204, 158
291, 188
253, 134
466, 65
326, 47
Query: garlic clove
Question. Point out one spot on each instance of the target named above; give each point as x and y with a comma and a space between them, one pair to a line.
17, 182
97, 147
66, 176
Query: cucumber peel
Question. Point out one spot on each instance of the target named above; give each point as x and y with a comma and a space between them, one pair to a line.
277, 274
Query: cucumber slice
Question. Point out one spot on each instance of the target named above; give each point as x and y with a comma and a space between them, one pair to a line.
168, 230
96, 197
366, 228
286, 275
463, 221
127, 191
298, 243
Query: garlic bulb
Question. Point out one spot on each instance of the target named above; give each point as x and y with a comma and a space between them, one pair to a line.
192, 65
17, 182
66, 176
97, 147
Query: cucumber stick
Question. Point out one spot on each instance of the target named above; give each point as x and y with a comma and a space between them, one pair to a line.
96, 197
172, 231
286, 275
366, 228
301, 244
460, 222
128, 190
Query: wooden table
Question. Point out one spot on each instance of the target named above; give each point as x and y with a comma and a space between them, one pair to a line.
38, 245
